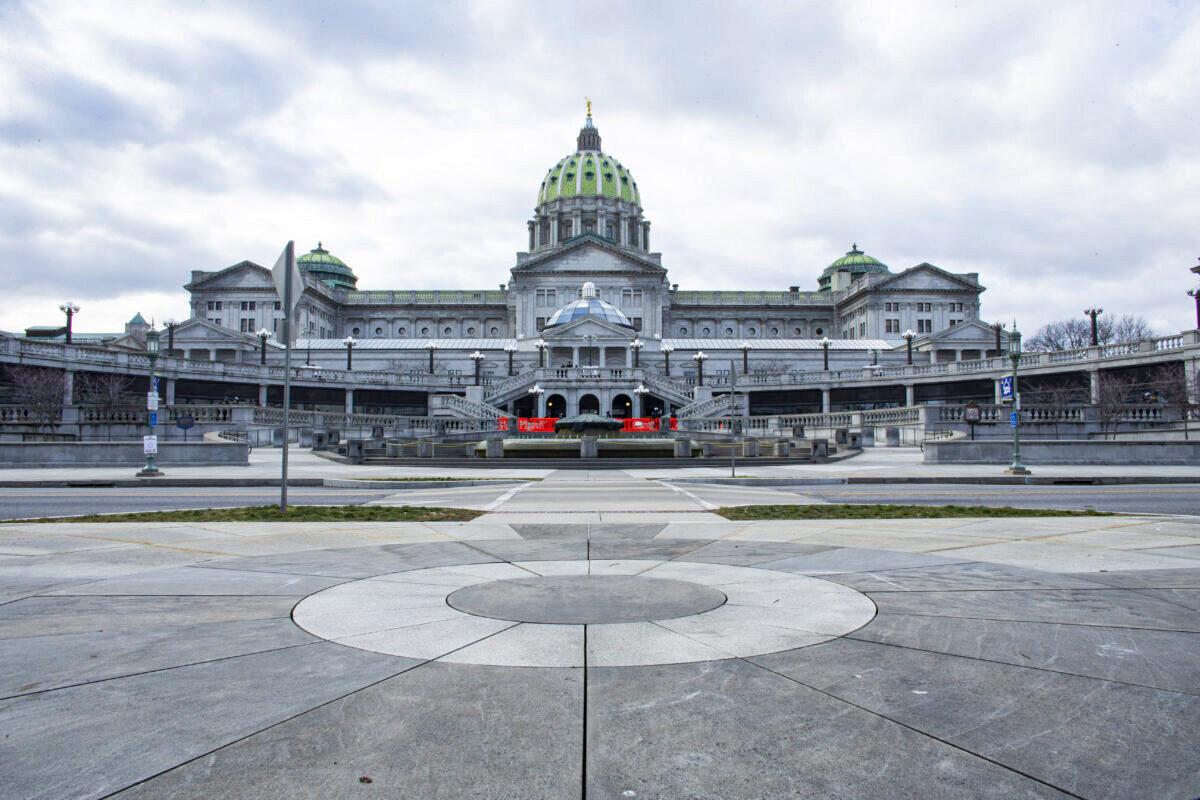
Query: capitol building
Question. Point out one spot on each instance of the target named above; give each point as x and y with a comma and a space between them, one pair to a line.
590, 293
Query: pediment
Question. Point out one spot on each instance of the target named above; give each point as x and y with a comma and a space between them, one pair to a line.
245, 275
196, 329
589, 255
926, 278
587, 326
971, 330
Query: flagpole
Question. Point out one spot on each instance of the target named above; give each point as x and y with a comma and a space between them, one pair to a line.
287, 369
732, 417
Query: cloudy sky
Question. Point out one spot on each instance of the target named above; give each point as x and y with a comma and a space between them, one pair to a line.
1054, 148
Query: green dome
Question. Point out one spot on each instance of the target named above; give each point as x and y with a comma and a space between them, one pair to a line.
856, 262
328, 268
588, 172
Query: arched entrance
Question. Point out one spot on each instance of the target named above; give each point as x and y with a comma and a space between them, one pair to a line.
556, 406
589, 404
651, 405
622, 407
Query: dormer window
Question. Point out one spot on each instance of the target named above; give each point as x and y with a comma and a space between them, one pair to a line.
589, 175
608, 177
570, 176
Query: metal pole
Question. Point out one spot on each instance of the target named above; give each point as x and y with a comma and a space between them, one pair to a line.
1017, 467
287, 372
732, 417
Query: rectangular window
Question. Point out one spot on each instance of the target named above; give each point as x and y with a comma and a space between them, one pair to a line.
215, 321
546, 298
541, 323
631, 298
637, 323
244, 305
862, 329
278, 306
953, 322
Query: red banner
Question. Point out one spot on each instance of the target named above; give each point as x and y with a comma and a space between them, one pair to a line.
536, 424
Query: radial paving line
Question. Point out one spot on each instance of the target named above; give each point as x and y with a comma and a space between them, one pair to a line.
703, 503
504, 498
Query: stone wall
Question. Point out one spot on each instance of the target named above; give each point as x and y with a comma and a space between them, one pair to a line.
119, 454
1083, 452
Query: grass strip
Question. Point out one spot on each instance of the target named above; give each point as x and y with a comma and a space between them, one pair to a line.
439, 480
293, 514
884, 511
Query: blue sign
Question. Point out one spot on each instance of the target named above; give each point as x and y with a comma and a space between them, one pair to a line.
1006, 388
185, 421
1012, 419
156, 384
153, 418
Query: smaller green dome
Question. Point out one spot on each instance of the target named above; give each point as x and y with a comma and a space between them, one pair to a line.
328, 268
856, 262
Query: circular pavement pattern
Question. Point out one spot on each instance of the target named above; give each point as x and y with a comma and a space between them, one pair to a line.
554, 613
586, 599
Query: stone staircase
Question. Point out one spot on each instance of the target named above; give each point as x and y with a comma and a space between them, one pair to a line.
452, 405
717, 406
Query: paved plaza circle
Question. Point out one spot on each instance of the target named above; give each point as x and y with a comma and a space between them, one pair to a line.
572, 613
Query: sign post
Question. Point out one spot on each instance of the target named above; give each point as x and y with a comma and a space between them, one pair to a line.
289, 284
972, 415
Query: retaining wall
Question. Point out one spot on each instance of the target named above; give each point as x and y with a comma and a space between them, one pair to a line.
118, 454
1066, 451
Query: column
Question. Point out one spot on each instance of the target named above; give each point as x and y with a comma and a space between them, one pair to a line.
68, 388
349, 401
1191, 377
629, 357
577, 222
601, 222
262, 394
1094, 385
910, 395
212, 353
541, 409
554, 229
825, 401
575, 355
995, 391
170, 391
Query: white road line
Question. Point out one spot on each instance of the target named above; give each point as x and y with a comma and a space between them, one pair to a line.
703, 503
504, 498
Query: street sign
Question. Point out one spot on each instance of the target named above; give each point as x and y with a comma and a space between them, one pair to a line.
153, 418
152, 401
1006, 388
156, 384
149, 444
185, 421
972, 413
1012, 419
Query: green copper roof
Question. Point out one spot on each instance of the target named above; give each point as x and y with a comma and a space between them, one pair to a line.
856, 262
589, 173
138, 319
328, 268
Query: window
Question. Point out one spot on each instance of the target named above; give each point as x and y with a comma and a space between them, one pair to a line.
953, 322
819, 331
424, 331
447, 330
214, 305
495, 331
637, 323
862, 329
355, 332
247, 305
214, 320
729, 331
246, 325
541, 323
379, 331
275, 325
924, 326
683, 331
631, 298
546, 297
774, 331
707, 331
278, 306
401, 331
470, 331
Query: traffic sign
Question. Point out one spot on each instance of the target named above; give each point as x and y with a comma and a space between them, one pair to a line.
1006, 388
152, 401
153, 418
1012, 419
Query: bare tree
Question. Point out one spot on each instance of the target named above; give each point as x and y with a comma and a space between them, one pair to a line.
39, 390
1168, 384
1070, 334
1113, 391
110, 393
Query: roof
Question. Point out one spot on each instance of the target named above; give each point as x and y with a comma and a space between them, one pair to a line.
588, 171
588, 306
856, 262
328, 267
138, 319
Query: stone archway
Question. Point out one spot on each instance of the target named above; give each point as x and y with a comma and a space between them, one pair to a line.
622, 407
556, 406
589, 404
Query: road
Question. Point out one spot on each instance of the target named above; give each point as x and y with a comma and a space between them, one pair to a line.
609, 491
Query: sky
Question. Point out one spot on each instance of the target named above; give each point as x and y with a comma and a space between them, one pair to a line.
1053, 148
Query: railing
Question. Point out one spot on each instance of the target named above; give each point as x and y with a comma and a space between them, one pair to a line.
508, 384
453, 296
666, 385
467, 408
706, 408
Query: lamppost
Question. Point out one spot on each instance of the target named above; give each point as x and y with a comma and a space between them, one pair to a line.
171, 326
1195, 293
263, 335
1093, 313
541, 345
430, 346
641, 391
309, 333
537, 393
874, 357
700, 358
908, 337
591, 339
825, 342
151, 443
1014, 352
745, 348
666, 349
996, 328
511, 349
349, 341
636, 345
477, 357
70, 309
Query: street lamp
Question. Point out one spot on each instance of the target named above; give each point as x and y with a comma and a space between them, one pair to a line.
309, 333
151, 444
349, 341
511, 349
825, 342
591, 339
1014, 352
666, 349
430, 346
541, 344
263, 335
641, 391
1195, 293
70, 309
171, 326
1093, 313
745, 348
537, 393
908, 337
700, 358
636, 345
477, 357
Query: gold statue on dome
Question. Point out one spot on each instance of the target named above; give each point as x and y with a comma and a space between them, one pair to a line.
589, 104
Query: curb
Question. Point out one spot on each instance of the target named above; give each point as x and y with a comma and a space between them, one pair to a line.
998, 480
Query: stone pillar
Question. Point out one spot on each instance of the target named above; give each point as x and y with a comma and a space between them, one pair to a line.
629, 357
1093, 385
554, 229
995, 391
262, 394
601, 222
825, 401
1191, 376
541, 409
683, 448
68, 388
349, 401
576, 222
910, 394
212, 353
170, 391
587, 447
494, 448
621, 237
575, 355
